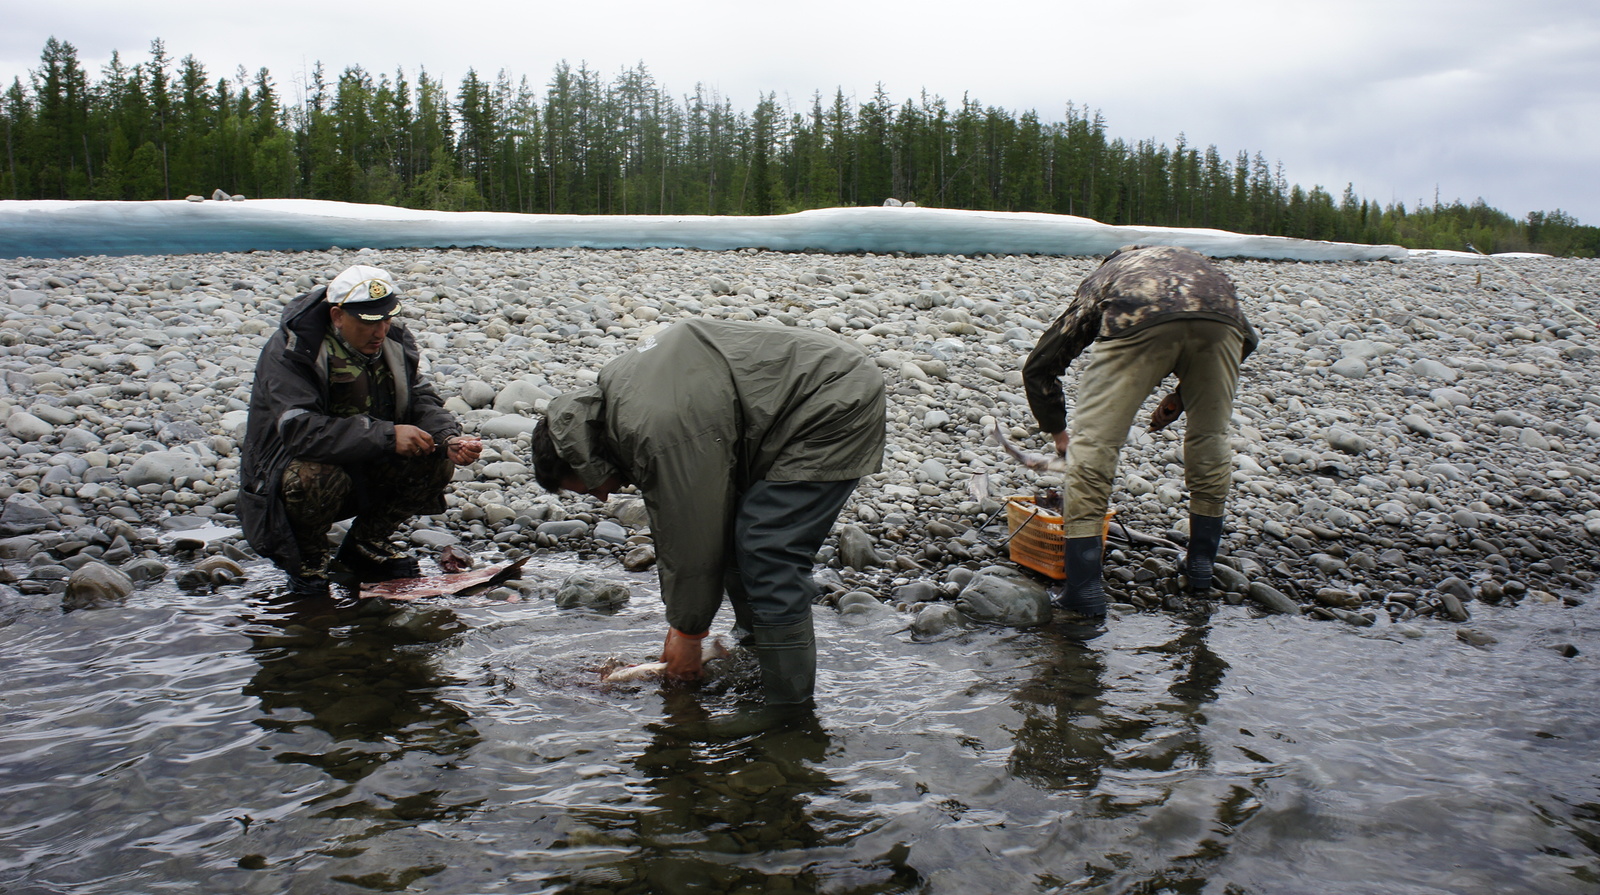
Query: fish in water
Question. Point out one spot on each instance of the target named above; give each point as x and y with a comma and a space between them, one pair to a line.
453, 559
1036, 462
614, 672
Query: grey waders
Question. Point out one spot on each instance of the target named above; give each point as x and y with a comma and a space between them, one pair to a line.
788, 657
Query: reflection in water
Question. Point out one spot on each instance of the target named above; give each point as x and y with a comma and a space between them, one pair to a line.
703, 799
350, 689
1123, 731
208, 742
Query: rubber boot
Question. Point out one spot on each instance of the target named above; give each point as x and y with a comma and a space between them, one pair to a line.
788, 658
1205, 536
309, 584
1085, 593
363, 562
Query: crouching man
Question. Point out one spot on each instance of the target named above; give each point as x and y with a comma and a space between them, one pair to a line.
746, 440
343, 425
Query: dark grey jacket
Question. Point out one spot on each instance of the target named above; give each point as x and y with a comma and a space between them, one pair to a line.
702, 410
289, 419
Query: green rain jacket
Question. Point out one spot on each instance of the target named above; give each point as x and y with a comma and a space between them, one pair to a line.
702, 410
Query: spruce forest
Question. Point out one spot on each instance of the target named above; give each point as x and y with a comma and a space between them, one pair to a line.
586, 144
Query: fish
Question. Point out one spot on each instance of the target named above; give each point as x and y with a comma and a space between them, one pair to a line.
615, 673
1036, 462
442, 585
453, 559
978, 487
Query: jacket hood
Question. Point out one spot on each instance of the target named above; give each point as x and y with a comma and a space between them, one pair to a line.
577, 426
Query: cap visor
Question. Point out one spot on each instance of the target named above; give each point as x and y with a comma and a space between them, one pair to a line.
373, 311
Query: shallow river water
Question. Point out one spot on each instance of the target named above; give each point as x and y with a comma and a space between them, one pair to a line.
230, 743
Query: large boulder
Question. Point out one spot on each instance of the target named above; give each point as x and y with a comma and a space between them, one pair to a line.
1001, 595
95, 585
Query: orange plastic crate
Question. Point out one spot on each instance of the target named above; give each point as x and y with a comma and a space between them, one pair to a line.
1037, 537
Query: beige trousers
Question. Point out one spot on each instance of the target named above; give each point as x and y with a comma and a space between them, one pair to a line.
1204, 355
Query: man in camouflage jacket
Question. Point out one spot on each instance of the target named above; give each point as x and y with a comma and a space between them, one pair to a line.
745, 439
1151, 311
343, 424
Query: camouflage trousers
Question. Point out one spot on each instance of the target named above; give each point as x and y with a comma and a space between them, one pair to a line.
380, 495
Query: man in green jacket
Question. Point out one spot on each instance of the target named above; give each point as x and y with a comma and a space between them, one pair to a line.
1150, 311
746, 440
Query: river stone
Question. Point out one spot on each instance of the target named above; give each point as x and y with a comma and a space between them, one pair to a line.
583, 590
28, 427
916, 592
1341, 439
1453, 607
1227, 579
503, 469
508, 425
19, 547
857, 598
146, 570
630, 512
163, 468
1350, 368
1272, 598
23, 515
640, 558
934, 621
859, 608
95, 585
561, 528
477, 393
432, 539
78, 440
856, 550
1428, 368
519, 391
1004, 596
610, 532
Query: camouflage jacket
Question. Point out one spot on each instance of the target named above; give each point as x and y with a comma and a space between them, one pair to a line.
1134, 288
292, 415
355, 384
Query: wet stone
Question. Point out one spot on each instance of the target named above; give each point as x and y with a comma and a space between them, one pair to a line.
587, 591
96, 585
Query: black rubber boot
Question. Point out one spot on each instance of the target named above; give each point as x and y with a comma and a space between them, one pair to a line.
1205, 537
788, 658
368, 563
1085, 593
308, 585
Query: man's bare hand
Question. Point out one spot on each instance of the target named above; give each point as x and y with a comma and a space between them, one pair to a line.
1062, 439
409, 441
681, 652
464, 450
1167, 412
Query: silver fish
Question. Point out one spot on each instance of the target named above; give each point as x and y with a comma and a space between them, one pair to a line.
710, 648
1036, 462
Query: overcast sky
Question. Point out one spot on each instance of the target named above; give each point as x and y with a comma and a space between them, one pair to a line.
1403, 99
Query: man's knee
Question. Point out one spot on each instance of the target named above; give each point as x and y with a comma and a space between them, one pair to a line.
315, 489
415, 481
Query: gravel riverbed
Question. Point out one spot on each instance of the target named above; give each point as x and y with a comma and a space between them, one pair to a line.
1412, 437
